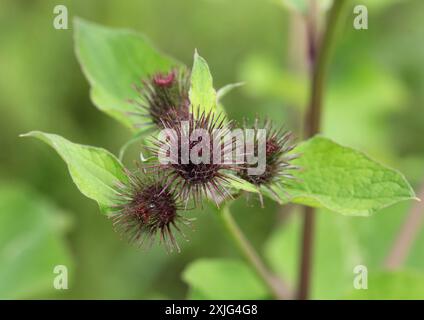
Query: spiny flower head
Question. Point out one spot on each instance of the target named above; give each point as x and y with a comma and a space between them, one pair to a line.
147, 209
277, 147
161, 93
196, 166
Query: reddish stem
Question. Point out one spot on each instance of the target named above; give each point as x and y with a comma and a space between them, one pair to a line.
319, 56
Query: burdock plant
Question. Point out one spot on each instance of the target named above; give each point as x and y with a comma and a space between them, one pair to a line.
144, 89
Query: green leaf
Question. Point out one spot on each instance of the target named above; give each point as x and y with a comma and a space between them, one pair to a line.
113, 60
399, 285
95, 171
223, 279
203, 97
344, 180
31, 244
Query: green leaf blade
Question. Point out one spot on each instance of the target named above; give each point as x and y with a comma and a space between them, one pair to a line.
95, 171
344, 180
113, 60
202, 95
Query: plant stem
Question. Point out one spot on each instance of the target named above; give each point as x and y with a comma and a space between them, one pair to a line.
275, 285
407, 234
319, 59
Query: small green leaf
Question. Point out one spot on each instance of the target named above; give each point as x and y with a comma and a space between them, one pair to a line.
203, 97
344, 180
223, 279
399, 285
95, 171
31, 244
113, 60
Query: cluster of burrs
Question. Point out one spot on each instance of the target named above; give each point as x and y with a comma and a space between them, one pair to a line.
152, 204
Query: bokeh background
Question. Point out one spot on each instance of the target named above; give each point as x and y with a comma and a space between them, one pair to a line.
374, 102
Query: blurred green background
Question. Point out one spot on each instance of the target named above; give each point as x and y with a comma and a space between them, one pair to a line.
374, 102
